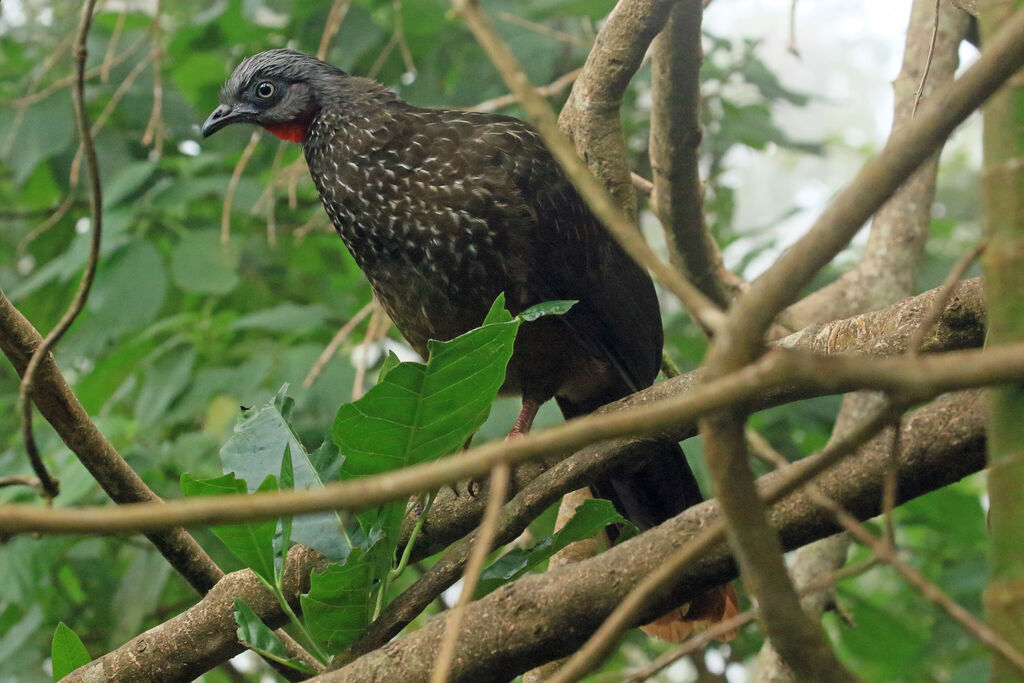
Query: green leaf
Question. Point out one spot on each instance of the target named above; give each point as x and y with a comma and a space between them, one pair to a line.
556, 307
255, 450
285, 317
163, 383
590, 517
258, 637
419, 412
251, 542
340, 601
202, 265
282, 539
137, 269
67, 652
126, 181
390, 363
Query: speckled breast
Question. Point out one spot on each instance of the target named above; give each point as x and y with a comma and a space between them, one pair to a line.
432, 234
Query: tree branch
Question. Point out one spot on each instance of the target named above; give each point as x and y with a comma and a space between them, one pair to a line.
590, 116
545, 616
678, 199
202, 636
61, 408
941, 443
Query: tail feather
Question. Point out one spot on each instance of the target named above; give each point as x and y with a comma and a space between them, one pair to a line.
648, 495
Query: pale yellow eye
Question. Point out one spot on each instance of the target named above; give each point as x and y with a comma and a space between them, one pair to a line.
265, 89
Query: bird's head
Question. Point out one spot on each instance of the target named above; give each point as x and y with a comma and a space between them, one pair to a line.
281, 90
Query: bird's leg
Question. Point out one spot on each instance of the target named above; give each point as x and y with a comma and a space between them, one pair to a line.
520, 428
525, 419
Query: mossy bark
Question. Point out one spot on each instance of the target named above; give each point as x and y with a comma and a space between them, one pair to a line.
1003, 198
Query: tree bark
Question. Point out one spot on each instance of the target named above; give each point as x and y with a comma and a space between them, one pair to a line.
1003, 199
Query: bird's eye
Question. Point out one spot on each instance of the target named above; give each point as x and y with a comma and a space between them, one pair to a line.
265, 89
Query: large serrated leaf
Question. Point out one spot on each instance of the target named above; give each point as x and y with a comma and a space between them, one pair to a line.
340, 601
418, 412
256, 449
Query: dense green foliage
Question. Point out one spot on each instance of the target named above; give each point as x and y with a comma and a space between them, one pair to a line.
180, 331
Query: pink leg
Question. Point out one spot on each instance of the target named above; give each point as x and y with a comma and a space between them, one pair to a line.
525, 419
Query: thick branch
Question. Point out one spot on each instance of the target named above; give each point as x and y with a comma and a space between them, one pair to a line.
590, 116
203, 636
678, 199
545, 616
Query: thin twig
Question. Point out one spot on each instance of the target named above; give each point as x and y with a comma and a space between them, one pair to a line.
49, 484
115, 36
22, 480
928, 62
541, 29
382, 58
339, 8
403, 44
66, 81
642, 185
339, 338
229, 194
791, 43
22, 104
154, 133
555, 87
890, 484
50, 221
497, 491
373, 330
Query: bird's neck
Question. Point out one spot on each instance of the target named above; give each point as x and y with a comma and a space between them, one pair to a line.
341, 148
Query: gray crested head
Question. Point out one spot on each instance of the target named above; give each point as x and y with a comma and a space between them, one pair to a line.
283, 91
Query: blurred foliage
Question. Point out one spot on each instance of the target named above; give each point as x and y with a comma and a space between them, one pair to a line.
180, 332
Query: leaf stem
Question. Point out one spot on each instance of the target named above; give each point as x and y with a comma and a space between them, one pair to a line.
311, 643
403, 562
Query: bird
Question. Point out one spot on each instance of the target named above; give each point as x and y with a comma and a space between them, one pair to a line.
443, 210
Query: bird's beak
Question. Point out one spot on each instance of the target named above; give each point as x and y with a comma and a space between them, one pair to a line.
227, 114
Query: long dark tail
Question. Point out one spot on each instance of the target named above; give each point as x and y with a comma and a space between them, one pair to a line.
647, 495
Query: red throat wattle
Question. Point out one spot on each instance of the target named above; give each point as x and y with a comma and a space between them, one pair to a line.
293, 131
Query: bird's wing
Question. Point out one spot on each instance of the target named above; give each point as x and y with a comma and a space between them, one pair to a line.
574, 257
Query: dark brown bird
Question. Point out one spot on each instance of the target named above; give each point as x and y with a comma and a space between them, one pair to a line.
443, 210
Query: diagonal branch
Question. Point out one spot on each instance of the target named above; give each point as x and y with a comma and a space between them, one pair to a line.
58, 404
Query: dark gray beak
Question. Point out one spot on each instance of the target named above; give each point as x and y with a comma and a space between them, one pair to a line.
227, 114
